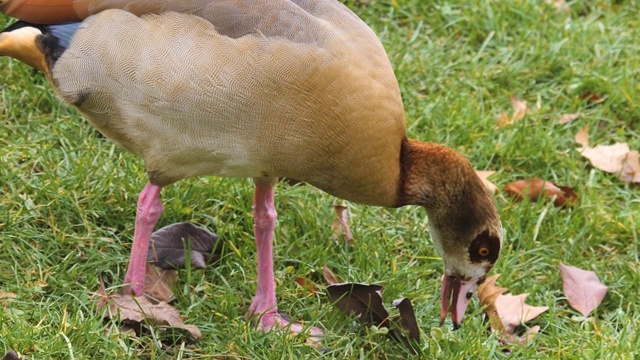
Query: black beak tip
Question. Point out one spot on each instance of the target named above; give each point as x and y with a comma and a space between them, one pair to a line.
456, 326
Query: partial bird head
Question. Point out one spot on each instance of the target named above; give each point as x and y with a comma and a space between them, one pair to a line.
38, 46
463, 220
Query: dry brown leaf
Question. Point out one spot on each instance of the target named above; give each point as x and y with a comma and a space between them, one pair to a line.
11, 355
519, 108
158, 283
616, 159
536, 188
484, 175
524, 340
7, 298
365, 302
505, 312
591, 97
173, 244
583, 289
139, 309
567, 118
560, 5
519, 111
340, 224
503, 120
582, 137
513, 311
329, 276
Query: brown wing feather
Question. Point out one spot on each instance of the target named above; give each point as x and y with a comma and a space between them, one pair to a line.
40, 11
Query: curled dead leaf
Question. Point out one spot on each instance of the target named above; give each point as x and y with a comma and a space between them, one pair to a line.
519, 111
616, 159
506, 312
7, 298
537, 188
11, 355
583, 289
365, 302
329, 276
140, 310
340, 224
168, 246
407, 322
484, 176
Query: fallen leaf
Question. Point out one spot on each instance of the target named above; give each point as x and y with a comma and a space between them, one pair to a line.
340, 224
158, 283
524, 340
362, 300
140, 310
536, 188
591, 97
168, 245
583, 289
484, 175
513, 311
7, 298
506, 312
567, 118
329, 276
582, 137
503, 120
519, 108
11, 355
560, 5
365, 302
519, 111
616, 159
407, 321
307, 285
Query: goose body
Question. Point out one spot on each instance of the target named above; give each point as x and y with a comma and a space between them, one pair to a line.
264, 89
239, 107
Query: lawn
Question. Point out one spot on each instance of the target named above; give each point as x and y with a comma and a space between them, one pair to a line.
69, 196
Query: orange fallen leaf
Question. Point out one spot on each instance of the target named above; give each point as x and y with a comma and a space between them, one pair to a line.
537, 188
616, 159
340, 224
308, 286
583, 289
506, 312
591, 97
484, 175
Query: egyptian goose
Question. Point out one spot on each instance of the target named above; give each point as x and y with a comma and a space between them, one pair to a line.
263, 89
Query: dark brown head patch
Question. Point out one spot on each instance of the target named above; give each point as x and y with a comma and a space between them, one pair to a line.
485, 247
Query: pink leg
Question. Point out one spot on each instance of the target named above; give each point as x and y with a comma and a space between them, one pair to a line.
264, 303
147, 215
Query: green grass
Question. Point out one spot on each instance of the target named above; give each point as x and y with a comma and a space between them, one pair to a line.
68, 199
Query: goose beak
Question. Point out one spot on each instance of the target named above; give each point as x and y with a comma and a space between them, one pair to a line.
456, 294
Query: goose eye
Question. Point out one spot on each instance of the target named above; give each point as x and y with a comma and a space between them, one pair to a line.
485, 247
483, 251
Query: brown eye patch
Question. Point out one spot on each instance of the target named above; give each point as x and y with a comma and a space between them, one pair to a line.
485, 247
